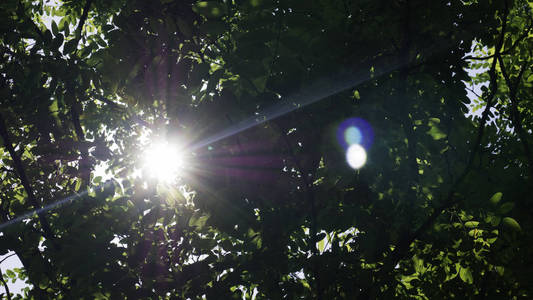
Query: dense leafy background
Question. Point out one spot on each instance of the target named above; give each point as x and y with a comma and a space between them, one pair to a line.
442, 209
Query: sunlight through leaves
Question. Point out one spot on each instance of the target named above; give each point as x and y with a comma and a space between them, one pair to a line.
163, 161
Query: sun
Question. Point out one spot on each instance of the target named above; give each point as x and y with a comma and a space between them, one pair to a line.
163, 161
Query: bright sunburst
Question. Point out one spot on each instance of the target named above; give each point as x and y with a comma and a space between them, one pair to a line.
163, 161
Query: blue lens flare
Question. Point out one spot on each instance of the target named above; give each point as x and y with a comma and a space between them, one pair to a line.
355, 136
352, 135
355, 131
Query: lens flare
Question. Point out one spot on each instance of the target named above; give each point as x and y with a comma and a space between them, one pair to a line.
356, 156
355, 136
163, 161
355, 131
352, 135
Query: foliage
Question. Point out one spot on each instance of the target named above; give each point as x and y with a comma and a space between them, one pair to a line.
440, 210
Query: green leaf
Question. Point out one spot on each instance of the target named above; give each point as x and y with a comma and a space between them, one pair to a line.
107, 27
70, 46
471, 224
55, 29
210, 9
212, 28
500, 270
418, 264
434, 130
356, 95
198, 222
475, 233
511, 224
58, 41
78, 185
496, 198
495, 220
258, 241
47, 37
100, 41
97, 180
305, 284
53, 108
66, 27
321, 245
62, 24
466, 275
506, 207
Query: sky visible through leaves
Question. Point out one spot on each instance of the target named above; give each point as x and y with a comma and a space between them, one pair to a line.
12, 261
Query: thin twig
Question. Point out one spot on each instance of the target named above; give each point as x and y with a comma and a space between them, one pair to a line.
118, 107
515, 113
1, 261
505, 52
473, 92
8, 294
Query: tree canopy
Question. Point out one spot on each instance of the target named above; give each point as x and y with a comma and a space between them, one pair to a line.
325, 149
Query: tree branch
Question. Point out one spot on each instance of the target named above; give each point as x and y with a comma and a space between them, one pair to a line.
313, 231
505, 52
28, 260
85, 163
515, 114
83, 18
36, 28
403, 245
116, 106
47, 231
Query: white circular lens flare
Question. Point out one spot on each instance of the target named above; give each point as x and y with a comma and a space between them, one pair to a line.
163, 161
356, 156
